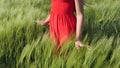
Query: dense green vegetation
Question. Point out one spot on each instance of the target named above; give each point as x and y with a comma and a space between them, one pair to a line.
23, 44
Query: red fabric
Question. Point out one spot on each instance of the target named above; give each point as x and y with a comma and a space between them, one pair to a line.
62, 20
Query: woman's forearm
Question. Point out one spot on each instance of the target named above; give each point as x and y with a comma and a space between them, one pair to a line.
47, 20
79, 17
79, 26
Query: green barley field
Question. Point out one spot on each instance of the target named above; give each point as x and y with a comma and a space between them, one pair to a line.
24, 44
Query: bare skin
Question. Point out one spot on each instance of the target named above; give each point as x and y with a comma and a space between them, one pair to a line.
80, 21
79, 26
43, 23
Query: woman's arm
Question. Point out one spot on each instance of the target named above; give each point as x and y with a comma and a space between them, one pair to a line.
80, 22
46, 22
80, 18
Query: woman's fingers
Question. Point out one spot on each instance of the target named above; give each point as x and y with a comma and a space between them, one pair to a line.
79, 44
39, 23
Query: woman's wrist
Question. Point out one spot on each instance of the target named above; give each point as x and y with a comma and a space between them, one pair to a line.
78, 38
45, 22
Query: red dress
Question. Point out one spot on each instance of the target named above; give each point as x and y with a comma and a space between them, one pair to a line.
62, 20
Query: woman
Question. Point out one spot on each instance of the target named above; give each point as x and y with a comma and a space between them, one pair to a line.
64, 23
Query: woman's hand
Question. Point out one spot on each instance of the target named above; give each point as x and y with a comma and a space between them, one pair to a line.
41, 23
79, 44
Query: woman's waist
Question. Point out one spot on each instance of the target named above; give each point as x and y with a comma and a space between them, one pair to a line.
63, 12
